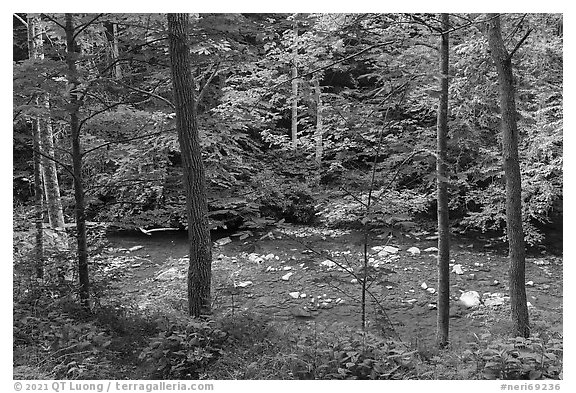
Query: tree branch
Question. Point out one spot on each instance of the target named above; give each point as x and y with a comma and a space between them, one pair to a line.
519, 44
20, 19
203, 89
54, 21
85, 25
125, 140
167, 101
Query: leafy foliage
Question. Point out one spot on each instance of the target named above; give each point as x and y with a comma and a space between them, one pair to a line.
184, 350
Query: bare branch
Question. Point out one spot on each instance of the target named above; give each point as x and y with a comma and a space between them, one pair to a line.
85, 25
151, 94
203, 89
519, 44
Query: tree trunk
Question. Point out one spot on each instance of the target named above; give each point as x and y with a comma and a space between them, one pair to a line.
50, 173
34, 43
112, 36
442, 323
44, 129
38, 211
295, 87
318, 132
79, 210
503, 62
200, 269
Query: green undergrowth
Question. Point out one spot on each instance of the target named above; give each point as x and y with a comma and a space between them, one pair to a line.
61, 341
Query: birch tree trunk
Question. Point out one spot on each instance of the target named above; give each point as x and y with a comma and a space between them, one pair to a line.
72, 55
200, 268
44, 129
33, 45
442, 322
516, 252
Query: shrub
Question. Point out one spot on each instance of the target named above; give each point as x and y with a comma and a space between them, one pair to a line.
184, 350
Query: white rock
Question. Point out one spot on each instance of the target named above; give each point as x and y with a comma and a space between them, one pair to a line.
338, 300
269, 256
377, 248
169, 274
530, 283
328, 263
414, 250
389, 287
244, 284
270, 269
294, 295
287, 276
470, 299
411, 301
302, 295
253, 257
431, 306
431, 290
424, 285
383, 254
354, 281
494, 301
135, 248
391, 250
431, 249
457, 269
287, 267
223, 241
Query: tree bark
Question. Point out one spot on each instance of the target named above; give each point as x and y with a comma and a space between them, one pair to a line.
319, 131
200, 268
442, 323
34, 42
38, 210
50, 173
72, 55
295, 87
112, 36
44, 132
503, 62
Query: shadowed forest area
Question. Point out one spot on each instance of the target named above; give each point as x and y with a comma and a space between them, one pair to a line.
287, 196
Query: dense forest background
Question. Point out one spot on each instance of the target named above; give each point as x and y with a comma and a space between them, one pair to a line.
302, 118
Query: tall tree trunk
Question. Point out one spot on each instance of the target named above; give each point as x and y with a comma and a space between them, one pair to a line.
44, 129
442, 323
38, 211
112, 36
50, 173
72, 55
319, 131
295, 87
34, 43
200, 269
503, 62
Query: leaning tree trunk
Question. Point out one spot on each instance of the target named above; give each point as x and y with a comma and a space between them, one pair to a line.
503, 61
200, 269
73, 108
442, 195
295, 87
34, 42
